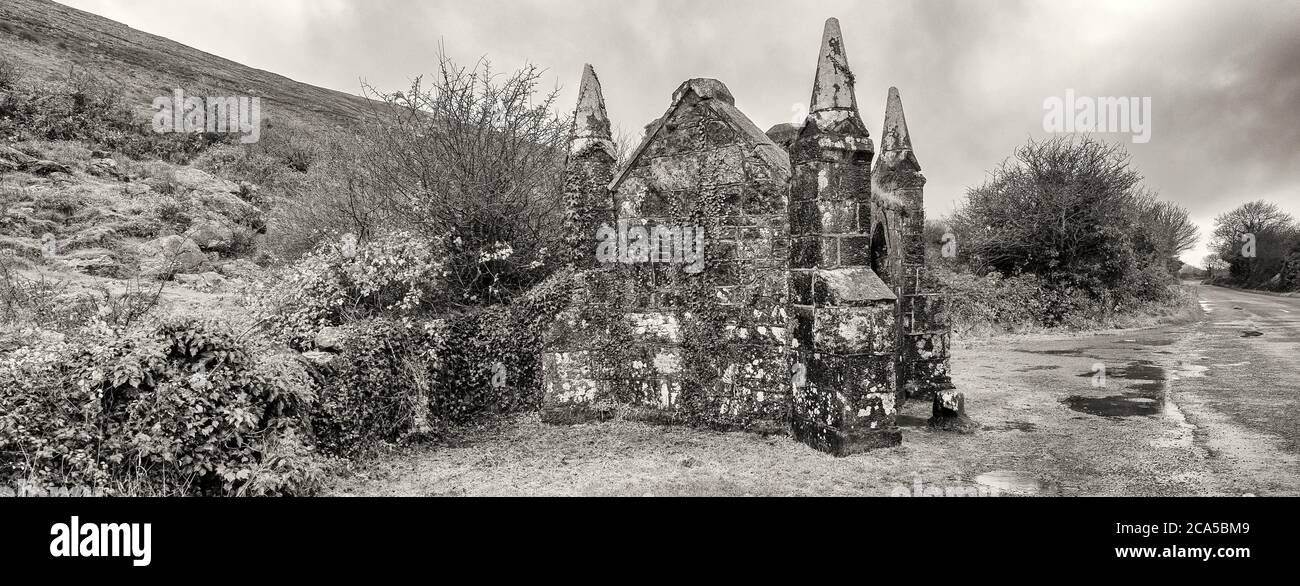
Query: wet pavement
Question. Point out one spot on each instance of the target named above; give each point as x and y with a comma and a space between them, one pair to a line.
1196, 408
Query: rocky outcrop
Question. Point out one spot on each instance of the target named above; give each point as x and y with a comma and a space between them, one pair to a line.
165, 257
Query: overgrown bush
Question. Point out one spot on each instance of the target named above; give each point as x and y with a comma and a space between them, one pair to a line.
994, 303
396, 275
184, 407
398, 377
468, 156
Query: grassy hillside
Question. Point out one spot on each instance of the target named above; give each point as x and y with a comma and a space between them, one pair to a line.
45, 39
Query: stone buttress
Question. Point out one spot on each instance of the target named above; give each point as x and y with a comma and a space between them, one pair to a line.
924, 333
842, 313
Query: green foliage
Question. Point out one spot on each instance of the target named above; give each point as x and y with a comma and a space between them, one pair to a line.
183, 407
469, 156
994, 303
397, 377
1275, 237
397, 275
1069, 225
84, 107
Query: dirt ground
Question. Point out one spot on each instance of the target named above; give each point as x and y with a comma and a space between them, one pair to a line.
1197, 408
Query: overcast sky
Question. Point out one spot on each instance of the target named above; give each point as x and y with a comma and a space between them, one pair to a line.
1223, 76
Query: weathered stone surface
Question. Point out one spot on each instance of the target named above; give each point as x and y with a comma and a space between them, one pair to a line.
15, 156
330, 338
833, 88
170, 255
949, 412
106, 168
809, 311
211, 235
47, 168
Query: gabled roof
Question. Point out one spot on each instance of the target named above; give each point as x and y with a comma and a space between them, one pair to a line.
716, 96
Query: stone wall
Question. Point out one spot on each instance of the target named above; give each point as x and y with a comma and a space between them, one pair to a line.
680, 341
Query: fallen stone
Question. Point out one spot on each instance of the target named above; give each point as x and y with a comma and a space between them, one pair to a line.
98, 262
101, 155
949, 413
330, 339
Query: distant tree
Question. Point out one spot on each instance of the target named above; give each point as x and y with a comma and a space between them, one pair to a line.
1255, 239
1071, 210
1166, 229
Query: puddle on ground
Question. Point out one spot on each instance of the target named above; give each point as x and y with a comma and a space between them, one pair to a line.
1077, 352
1151, 342
911, 421
1013, 482
1141, 399
1013, 426
1126, 405
1033, 368
1188, 370
1137, 370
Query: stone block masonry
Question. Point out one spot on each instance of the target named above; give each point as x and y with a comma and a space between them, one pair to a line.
792, 321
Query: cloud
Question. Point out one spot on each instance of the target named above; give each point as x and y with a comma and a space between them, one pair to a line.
1224, 83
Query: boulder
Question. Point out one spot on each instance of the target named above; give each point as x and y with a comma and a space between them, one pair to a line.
46, 168
330, 339
106, 168
93, 261
211, 235
169, 255
15, 156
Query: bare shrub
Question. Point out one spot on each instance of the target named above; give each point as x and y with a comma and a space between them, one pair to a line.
472, 157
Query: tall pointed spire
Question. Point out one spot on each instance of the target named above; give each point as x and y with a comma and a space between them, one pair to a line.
833, 87
588, 169
590, 121
895, 141
895, 136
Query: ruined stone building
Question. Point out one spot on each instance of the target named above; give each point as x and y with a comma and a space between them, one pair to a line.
737, 279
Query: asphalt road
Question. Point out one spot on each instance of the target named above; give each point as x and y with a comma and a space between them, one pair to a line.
1205, 407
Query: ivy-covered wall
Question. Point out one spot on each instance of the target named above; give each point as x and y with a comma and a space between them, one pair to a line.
661, 338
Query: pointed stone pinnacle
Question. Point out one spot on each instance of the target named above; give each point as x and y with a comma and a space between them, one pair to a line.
895, 136
590, 119
833, 87
896, 153
590, 122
